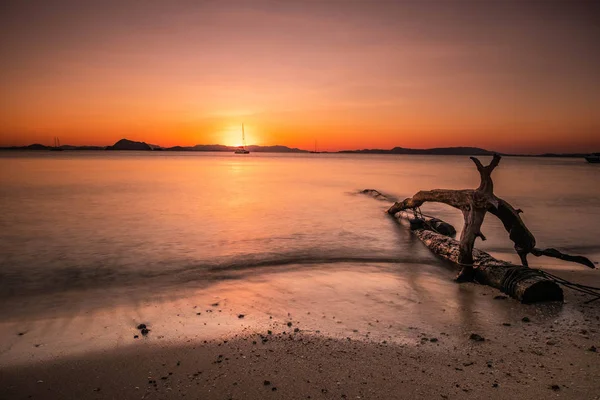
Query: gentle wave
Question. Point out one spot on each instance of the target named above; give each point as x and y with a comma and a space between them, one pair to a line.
21, 282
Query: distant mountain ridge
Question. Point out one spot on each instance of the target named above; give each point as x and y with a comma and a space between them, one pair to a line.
441, 151
126, 144
130, 145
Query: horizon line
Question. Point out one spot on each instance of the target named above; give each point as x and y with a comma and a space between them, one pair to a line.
154, 147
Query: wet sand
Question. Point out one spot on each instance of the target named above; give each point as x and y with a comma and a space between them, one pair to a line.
371, 332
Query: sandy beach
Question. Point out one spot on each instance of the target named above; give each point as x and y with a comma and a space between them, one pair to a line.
331, 334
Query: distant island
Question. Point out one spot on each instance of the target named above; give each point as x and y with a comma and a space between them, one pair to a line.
130, 145
442, 151
126, 144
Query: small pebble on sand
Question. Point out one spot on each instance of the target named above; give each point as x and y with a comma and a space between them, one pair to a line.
476, 337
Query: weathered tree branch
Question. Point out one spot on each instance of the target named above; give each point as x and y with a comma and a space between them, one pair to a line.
474, 204
517, 231
562, 256
455, 198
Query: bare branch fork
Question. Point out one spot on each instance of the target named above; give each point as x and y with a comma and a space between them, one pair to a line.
474, 204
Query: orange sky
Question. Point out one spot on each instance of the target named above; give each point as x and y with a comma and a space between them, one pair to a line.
506, 76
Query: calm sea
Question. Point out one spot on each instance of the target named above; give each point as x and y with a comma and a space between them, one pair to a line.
114, 221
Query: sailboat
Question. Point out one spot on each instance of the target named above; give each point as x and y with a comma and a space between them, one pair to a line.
242, 148
56, 145
315, 152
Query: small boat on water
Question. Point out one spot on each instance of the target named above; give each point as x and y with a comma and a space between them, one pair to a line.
593, 158
56, 146
242, 148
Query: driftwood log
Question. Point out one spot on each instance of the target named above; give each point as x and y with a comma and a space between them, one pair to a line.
474, 204
525, 284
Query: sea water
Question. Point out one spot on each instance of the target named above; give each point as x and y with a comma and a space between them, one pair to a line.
151, 221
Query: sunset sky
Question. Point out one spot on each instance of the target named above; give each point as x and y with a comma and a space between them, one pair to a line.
519, 76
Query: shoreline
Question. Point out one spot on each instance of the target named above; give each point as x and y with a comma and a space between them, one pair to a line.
378, 333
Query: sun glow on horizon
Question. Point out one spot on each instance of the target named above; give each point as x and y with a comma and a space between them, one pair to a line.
231, 135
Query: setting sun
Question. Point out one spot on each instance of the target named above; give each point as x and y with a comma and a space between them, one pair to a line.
232, 135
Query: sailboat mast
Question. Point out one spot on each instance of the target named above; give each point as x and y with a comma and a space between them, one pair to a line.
243, 136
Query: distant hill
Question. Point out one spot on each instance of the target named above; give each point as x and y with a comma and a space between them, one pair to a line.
201, 147
253, 149
36, 146
441, 151
212, 147
275, 149
126, 144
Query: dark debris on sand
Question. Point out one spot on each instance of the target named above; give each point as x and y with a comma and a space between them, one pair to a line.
143, 330
476, 337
